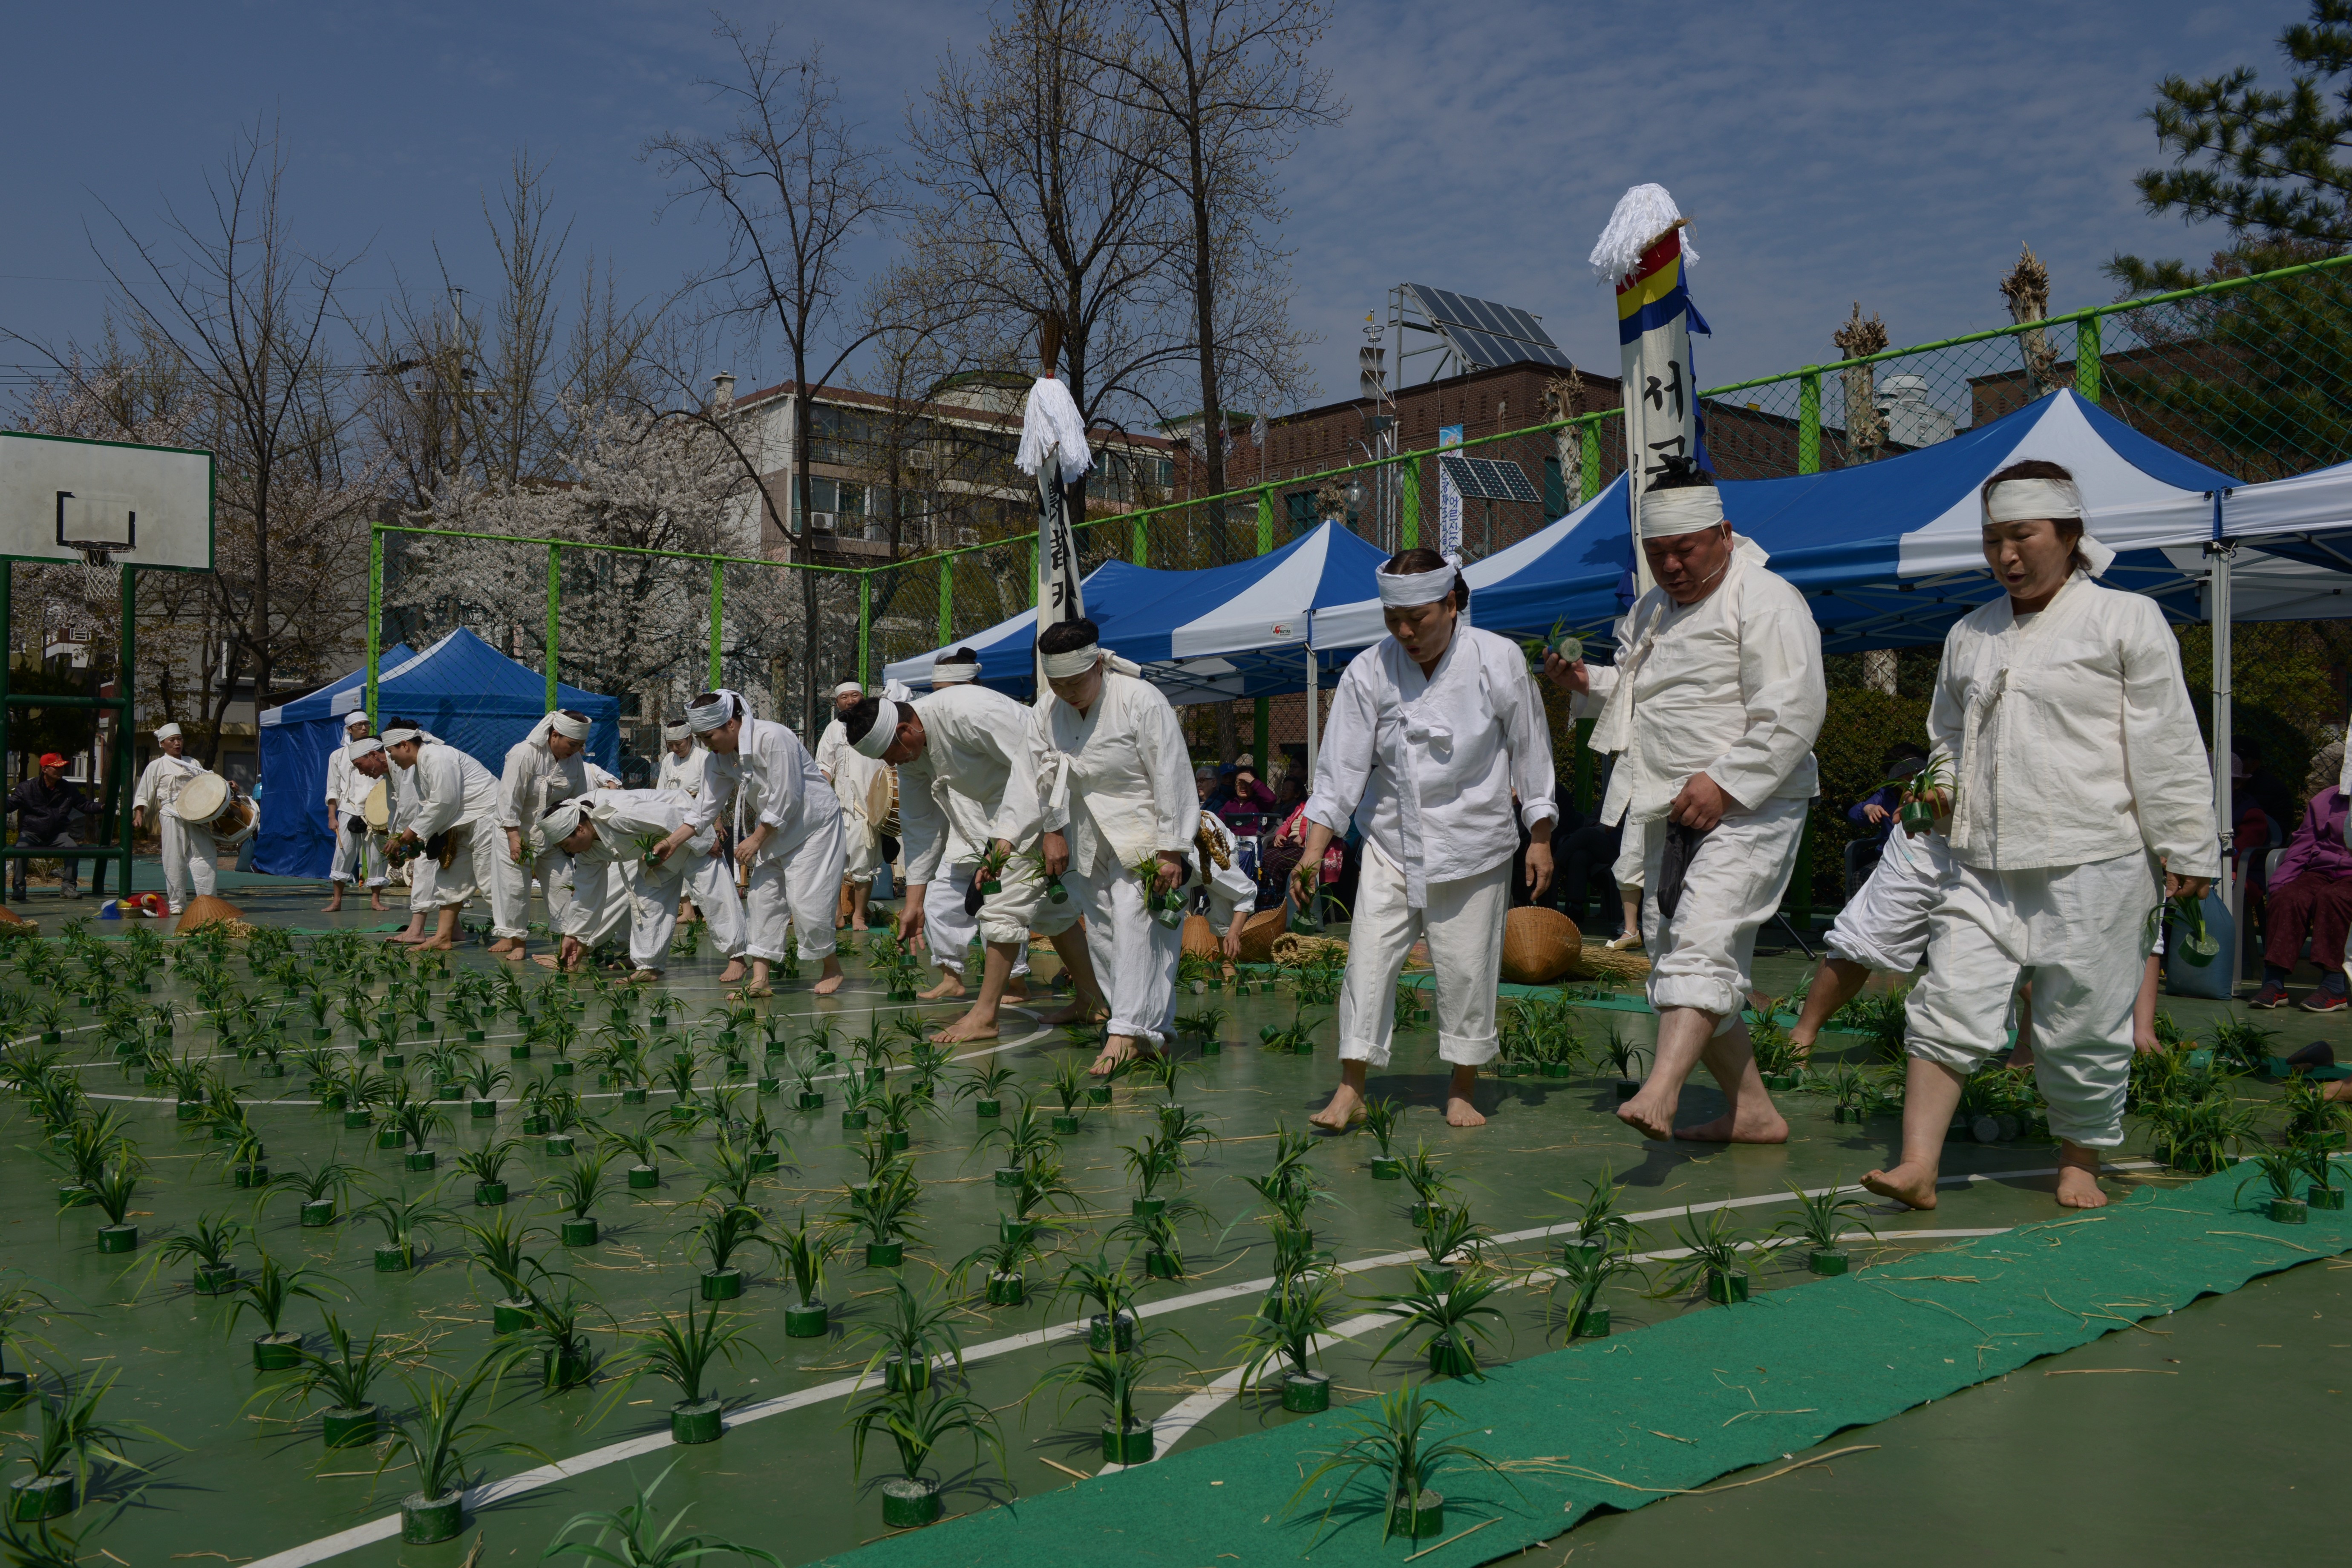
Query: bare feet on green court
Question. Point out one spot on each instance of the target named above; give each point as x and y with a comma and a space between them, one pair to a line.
1459, 1110
732, 973
949, 986
334, 903
966, 1028
1914, 1186
1346, 1109
2078, 1178
1651, 1113
829, 981
1116, 1052
1739, 1125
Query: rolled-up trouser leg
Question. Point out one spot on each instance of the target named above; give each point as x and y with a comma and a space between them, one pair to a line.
1020, 907
652, 913
1463, 922
864, 850
1885, 925
510, 887
799, 885
473, 869
710, 881
347, 851
424, 884
174, 835
1134, 955
948, 930
1702, 957
1380, 934
2083, 928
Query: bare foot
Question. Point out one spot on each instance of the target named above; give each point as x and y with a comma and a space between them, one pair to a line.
1738, 1127
334, 904
965, 1028
950, 985
435, 944
1015, 991
377, 904
859, 926
829, 983
506, 945
1645, 1115
644, 977
1347, 1109
732, 973
1914, 1186
2078, 1179
2338, 1090
1116, 1052
752, 994
404, 939
1459, 1112
545, 960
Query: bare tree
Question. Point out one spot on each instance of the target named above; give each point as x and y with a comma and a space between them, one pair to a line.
1230, 84
795, 188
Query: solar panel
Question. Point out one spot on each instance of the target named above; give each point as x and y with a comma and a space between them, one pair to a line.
1489, 478
1484, 334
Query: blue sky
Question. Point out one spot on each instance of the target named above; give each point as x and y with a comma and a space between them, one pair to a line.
1826, 152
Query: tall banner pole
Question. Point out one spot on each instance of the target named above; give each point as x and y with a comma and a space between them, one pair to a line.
1644, 253
1053, 449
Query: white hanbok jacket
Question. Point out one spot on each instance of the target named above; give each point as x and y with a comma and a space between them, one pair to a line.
2070, 738
624, 819
161, 783
982, 759
1118, 777
770, 779
533, 780
681, 775
1426, 766
345, 790
447, 788
1731, 687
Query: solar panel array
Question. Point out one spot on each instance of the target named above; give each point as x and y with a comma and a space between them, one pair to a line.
1489, 478
1484, 334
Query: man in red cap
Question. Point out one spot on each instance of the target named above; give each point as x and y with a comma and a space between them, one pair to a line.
45, 807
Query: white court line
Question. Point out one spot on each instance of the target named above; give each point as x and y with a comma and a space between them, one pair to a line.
385, 1529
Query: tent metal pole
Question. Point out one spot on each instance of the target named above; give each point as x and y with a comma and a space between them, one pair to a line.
553, 638
374, 616
2217, 609
1314, 714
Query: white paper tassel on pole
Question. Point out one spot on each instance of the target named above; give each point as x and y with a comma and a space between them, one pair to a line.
1050, 420
1641, 215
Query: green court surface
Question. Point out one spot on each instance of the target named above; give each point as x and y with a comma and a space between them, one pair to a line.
1987, 1466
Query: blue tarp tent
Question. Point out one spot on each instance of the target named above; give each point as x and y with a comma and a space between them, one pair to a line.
461, 688
1886, 554
1207, 635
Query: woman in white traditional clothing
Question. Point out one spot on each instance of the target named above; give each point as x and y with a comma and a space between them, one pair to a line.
2078, 799
1433, 730
189, 852
544, 768
347, 796
948, 930
1120, 800
852, 774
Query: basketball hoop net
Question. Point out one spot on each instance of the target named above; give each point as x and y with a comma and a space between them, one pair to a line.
99, 582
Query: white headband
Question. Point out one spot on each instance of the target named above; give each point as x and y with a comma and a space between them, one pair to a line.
357, 716
565, 725
2030, 501
945, 674
355, 750
1073, 664
562, 820
1666, 514
167, 732
401, 737
710, 715
677, 730
1402, 590
849, 688
876, 741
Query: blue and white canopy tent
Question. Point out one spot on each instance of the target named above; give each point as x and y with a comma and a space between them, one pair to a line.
1206, 636
461, 688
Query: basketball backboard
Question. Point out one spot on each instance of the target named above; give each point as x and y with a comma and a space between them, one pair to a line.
150, 507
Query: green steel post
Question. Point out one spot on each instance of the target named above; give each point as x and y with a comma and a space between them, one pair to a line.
1262, 713
717, 624
2086, 359
1591, 453
375, 616
947, 598
1408, 505
1265, 521
865, 626
1809, 423
555, 604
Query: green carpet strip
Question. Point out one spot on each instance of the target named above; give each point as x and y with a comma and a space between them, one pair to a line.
1621, 1422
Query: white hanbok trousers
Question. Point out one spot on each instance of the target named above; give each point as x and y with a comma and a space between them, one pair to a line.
510, 886
1021, 905
353, 846
2083, 931
188, 860
800, 888
1134, 955
1885, 925
474, 868
1702, 957
710, 881
948, 931
863, 848
1463, 924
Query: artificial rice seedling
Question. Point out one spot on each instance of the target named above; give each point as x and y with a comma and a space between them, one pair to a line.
1392, 1439
1716, 1252
681, 1349
913, 1334
1283, 1330
440, 1437
627, 1537
917, 1421
1585, 1272
1451, 1313
1822, 1220
273, 1287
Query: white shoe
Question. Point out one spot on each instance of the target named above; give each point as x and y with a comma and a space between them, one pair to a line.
1631, 939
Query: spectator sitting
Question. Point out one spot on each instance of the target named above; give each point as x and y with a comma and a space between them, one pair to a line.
46, 806
2311, 894
1876, 811
1285, 844
1239, 799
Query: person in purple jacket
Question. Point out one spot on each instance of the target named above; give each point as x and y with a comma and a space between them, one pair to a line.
2311, 895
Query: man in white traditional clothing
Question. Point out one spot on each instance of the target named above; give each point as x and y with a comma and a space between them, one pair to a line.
545, 768
189, 852
948, 931
1433, 731
973, 756
609, 836
681, 774
2078, 801
1713, 701
1119, 815
447, 817
852, 775
789, 857
346, 805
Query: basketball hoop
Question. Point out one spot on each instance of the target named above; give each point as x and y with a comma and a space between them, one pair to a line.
98, 583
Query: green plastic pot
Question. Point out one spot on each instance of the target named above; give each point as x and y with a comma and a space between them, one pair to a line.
391, 1138
511, 1316
74, 1197
277, 1352
1435, 1278
1211, 1046
580, 1231
2329, 1198
807, 1320
1097, 1094
318, 1213
1099, 1334
910, 1504
355, 1119
722, 1285
1012, 1230
475, 1036
1065, 1126
518, 1053
901, 1376
1306, 1393
1147, 1208
988, 1110
420, 1159
810, 1100
564, 1370
189, 1110
1007, 1291
1421, 1516
561, 1145
1387, 1168
633, 1096
486, 1111
767, 1159
560, 1067
886, 1254
1163, 1266
1447, 1359
354, 1427
447, 1091
1725, 1290
695, 1423
1555, 1069
1127, 1444
853, 1120
489, 1194
32, 1499
1829, 1260
215, 1280
1627, 1088
271, 1069
15, 1387
426, 1521
118, 1239
393, 1061
1780, 1082
395, 1259
2283, 1211
898, 1138
1593, 1324
537, 1126
769, 1084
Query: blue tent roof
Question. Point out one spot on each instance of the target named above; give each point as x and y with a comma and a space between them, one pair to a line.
1206, 636
461, 688
1888, 553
